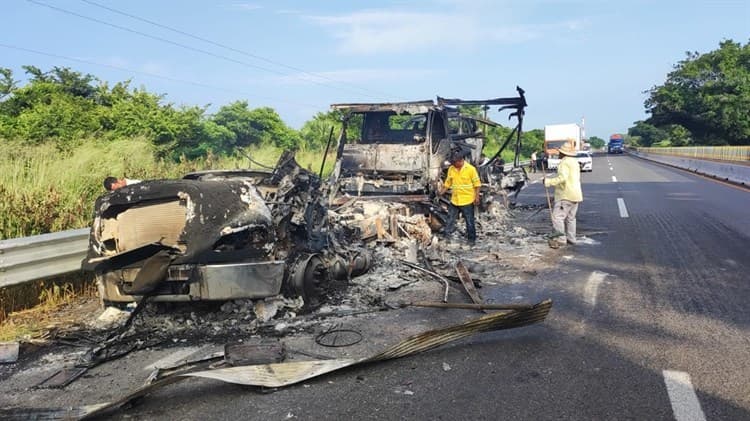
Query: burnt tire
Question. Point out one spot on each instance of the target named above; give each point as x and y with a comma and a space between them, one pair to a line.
308, 279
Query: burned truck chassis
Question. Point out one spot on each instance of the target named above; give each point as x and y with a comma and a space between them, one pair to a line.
284, 244
220, 235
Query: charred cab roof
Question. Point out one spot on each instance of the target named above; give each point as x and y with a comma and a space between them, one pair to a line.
214, 174
412, 107
422, 107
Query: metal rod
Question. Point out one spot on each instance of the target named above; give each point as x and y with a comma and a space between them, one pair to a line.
328, 146
470, 306
502, 147
549, 203
429, 272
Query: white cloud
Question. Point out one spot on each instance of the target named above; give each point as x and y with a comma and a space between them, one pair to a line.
390, 30
115, 61
155, 68
355, 76
288, 12
246, 6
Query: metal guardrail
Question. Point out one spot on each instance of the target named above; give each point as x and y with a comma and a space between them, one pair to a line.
721, 153
732, 171
42, 256
508, 167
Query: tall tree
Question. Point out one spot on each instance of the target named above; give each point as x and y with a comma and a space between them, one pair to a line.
706, 94
315, 131
238, 118
646, 134
596, 142
7, 83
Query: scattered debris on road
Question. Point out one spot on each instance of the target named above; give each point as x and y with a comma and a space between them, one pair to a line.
8, 352
271, 264
282, 374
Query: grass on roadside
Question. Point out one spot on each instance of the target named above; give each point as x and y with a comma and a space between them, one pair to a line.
43, 189
46, 300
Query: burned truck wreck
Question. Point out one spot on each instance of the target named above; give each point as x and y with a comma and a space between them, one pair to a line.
219, 235
401, 149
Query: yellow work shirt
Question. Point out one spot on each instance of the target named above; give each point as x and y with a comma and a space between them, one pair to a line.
568, 181
463, 182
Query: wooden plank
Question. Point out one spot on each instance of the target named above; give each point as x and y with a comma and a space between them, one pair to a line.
394, 227
379, 228
468, 283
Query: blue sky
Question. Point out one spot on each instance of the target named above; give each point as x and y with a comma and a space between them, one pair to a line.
574, 58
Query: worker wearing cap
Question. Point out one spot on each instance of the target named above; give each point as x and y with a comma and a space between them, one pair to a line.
568, 195
463, 180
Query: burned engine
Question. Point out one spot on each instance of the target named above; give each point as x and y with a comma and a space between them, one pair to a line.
219, 235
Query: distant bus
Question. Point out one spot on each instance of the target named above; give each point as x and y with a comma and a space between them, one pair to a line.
616, 144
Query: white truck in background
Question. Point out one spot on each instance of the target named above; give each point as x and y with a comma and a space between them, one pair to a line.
556, 135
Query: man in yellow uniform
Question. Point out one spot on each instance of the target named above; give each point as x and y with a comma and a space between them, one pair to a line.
463, 179
567, 197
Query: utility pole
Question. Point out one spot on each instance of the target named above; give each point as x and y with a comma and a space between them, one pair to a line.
583, 128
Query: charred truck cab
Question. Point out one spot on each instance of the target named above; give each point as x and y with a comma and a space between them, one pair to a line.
400, 150
218, 235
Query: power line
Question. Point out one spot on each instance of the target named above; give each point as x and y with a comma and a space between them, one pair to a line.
165, 40
189, 82
236, 50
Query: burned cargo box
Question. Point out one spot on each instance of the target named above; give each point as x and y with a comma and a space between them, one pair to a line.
401, 149
217, 235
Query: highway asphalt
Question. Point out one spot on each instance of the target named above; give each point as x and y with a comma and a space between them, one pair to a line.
650, 322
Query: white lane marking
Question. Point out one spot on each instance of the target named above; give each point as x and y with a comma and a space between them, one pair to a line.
610, 168
173, 358
614, 179
621, 206
592, 287
685, 404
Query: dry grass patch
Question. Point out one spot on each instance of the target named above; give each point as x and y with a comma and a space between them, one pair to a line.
29, 310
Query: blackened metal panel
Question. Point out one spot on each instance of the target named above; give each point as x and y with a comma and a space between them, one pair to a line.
243, 280
385, 158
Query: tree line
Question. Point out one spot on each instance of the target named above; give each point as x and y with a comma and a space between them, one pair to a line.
69, 107
704, 101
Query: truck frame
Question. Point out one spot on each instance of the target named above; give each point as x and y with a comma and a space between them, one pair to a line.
399, 150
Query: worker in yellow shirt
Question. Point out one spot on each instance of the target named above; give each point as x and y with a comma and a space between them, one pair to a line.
463, 180
567, 197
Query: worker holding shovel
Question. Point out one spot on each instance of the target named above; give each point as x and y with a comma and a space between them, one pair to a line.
568, 195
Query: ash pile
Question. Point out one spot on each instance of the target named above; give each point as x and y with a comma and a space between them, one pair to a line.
394, 242
412, 260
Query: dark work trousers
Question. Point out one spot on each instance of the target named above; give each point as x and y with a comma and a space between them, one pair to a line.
468, 212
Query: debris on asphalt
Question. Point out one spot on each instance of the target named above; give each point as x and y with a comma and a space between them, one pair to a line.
61, 378
468, 283
9, 352
110, 317
288, 373
382, 255
337, 337
258, 352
